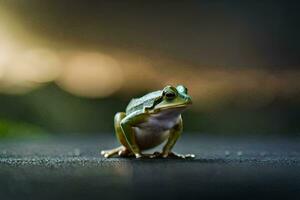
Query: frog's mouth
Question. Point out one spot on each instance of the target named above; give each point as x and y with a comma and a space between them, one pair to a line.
173, 107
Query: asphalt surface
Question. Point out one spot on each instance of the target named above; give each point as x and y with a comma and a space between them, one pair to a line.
225, 167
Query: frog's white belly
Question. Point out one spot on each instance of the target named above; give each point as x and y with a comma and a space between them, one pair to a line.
156, 129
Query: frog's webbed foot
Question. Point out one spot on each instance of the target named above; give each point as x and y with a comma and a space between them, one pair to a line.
120, 151
172, 155
109, 153
112, 152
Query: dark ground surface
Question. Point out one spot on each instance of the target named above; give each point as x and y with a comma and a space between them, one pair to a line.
225, 168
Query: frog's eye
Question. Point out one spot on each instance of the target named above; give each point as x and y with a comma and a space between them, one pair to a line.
170, 95
182, 89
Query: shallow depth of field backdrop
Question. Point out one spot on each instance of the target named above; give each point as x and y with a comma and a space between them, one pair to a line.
66, 67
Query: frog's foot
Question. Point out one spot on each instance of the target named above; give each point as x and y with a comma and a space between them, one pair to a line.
112, 152
125, 153
172, 155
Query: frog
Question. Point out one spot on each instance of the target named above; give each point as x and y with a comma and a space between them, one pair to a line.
149, 121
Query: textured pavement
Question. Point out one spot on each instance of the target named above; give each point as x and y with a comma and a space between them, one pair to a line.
249, 167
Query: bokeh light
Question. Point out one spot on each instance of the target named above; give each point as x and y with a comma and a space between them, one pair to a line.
91, 75
35, 66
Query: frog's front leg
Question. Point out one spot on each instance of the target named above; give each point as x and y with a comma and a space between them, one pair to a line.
175, 133
127, 125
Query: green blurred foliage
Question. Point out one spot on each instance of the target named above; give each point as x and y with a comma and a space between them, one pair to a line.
12, 129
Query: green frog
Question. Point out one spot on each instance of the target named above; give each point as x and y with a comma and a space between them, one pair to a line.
149, 121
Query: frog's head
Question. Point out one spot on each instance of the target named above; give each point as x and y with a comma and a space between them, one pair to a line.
173, 98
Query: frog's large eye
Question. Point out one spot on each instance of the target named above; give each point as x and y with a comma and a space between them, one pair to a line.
170, 95
182, 89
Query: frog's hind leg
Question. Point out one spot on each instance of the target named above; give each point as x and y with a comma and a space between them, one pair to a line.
118, 130
123, 150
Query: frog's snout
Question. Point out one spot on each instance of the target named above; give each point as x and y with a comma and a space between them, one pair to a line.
189, 100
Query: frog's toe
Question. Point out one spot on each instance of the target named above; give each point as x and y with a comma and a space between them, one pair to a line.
158, 155
125, 153
112, 152
190, 156
106, 154
174, 155
139, 156
103, 152
155, 155
186, 156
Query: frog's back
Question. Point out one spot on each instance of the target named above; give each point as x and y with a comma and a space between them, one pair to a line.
147, 100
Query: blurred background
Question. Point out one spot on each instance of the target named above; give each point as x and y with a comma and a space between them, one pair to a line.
66, 67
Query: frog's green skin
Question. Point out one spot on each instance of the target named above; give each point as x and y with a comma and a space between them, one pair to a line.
149, 121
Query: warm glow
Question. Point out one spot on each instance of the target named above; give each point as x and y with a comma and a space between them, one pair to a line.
36, 66
9, 45
6, 51
91, 75
23, 67
28, 69
26, 63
